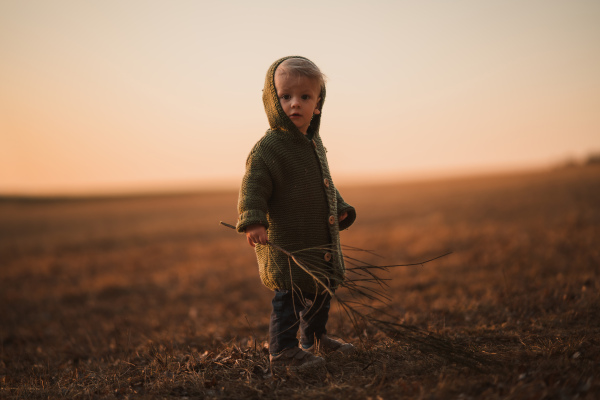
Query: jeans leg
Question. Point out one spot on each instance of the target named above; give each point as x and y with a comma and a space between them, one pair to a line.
313, 319
283, 327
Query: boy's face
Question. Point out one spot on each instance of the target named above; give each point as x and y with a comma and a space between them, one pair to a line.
299, 98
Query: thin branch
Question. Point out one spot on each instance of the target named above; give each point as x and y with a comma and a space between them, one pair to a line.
366, 287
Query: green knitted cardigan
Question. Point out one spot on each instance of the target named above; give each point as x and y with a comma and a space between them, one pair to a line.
287, 188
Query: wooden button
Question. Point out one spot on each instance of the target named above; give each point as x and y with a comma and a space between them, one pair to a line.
326, 181
332, 220
327, 257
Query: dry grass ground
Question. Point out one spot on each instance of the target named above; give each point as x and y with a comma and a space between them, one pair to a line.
151, 298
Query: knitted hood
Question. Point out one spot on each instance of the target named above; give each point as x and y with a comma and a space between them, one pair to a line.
275, 114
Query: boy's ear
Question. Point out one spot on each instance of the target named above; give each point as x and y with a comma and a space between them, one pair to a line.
317, 110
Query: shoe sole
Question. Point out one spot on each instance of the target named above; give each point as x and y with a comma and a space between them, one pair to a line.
344, 349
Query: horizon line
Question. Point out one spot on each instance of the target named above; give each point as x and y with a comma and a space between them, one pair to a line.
227, 184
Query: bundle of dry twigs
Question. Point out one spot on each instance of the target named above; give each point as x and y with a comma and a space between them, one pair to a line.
366, 302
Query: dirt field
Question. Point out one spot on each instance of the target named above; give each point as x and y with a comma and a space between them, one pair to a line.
150, 298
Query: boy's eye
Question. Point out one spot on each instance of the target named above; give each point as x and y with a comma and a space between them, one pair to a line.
305, 97
285, 96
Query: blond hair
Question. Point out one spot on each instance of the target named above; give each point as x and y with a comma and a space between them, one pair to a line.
297, 66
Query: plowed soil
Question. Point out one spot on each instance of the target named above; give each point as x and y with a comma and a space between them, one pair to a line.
149, 297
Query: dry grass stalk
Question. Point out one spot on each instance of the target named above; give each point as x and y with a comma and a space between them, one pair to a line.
368, 301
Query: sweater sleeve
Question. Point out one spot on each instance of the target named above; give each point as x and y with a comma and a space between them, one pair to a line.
343, 206
255, 192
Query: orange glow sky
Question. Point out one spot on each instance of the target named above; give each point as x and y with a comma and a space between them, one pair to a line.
126, 95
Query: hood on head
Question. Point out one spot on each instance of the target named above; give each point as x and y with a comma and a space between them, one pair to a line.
277, 118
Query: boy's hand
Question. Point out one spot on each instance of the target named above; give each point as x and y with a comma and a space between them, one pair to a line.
343, 216
256, 234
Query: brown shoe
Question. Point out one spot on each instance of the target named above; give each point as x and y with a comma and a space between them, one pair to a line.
295, 359
328, 345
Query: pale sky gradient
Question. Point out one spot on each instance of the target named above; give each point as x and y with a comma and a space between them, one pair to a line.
126, 95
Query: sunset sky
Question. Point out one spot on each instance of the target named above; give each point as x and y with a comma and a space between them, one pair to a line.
102, 96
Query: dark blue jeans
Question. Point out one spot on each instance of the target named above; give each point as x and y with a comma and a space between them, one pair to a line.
292, 311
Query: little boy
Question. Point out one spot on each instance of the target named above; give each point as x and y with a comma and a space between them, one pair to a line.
287, 198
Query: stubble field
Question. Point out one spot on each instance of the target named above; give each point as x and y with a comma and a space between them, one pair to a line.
148, 297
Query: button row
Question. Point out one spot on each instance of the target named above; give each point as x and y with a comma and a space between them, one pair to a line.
325, 181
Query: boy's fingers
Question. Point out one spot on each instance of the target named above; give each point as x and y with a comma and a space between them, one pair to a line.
254, 238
